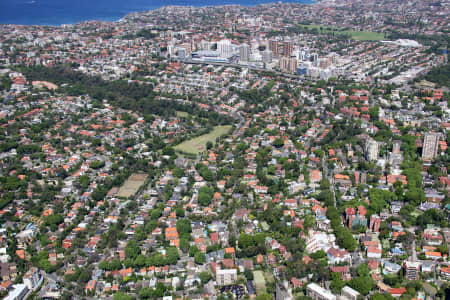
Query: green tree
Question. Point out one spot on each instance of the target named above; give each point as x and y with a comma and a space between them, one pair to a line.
177, 172
248, 274
337, 283
132, 250
193, 250
362, 284
184, 245
206, 173
172, 255
363, 270
184, 226
205, 277
245, 241
205, 195
199, 258
264, 296
278, 143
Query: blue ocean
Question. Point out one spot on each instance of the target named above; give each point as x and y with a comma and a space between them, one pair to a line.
57, 12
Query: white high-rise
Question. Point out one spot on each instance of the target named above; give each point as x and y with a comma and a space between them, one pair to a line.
372, 149
225, 48
266, 56
244, 52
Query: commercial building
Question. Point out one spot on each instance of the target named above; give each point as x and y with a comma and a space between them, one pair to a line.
266, 56
273, 46
288, 48
288, 64
225, 48
244, 52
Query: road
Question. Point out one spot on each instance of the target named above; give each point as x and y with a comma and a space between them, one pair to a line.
234, 65
330, 178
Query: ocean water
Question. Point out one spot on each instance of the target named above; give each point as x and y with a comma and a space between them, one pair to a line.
57, 12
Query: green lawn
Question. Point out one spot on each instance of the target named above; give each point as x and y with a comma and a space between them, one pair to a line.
367, 36
182, 114
416, 213
198, 144
356, 35
260, 282
269, 277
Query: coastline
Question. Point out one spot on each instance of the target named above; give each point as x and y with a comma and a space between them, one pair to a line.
35, 18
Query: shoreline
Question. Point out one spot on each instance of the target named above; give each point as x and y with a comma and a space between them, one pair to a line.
117, 19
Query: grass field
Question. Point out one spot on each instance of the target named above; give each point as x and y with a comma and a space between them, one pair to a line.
198, 144
132, 185
269, 277
416, 213
182, 114
260, 282
356, 35
425, 83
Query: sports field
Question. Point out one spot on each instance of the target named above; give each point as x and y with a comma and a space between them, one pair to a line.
198, 144
132, 185
356, 35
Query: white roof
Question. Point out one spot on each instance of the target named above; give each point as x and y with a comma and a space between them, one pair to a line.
17, 290
350, 291
320, 290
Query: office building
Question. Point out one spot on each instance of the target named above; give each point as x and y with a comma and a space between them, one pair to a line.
204, 45
266, 56
288, 48
288, 64
273, 46
181, 53
314, 58
430, 145
304, 54
244, 52
225, 48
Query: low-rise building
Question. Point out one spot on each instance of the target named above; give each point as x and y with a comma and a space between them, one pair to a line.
226, 276
317, 292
